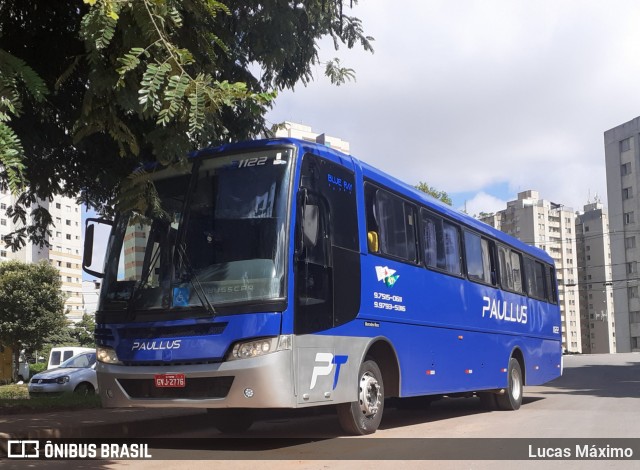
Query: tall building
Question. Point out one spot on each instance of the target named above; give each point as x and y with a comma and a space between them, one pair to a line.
91, 294
595, 280
551, 227
64, 250
300, 131
622, 155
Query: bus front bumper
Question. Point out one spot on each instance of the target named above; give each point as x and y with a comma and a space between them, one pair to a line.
260, 382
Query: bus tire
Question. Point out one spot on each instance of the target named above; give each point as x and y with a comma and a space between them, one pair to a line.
363, 416
512, 397
231, 420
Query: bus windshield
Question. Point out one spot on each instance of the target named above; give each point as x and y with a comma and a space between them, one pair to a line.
219, 238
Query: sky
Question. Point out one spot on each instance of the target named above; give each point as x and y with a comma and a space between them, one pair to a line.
483, 99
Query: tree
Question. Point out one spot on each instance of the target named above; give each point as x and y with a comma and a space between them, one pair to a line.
31, 305
83, 331
441, 195
90, 90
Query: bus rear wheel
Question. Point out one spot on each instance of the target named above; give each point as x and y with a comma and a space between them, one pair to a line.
512, 397
231, 420
364, 416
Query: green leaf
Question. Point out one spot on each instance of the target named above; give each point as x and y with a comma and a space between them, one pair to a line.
337, 74
152, 79
197, 102
174, 98
11, 158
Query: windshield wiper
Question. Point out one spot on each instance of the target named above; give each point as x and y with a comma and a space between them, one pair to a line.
194, 281
137, 288
144, 278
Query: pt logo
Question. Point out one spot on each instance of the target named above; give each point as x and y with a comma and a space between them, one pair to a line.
329, 361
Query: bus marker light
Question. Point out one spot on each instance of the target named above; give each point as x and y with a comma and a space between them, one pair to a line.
537, 367
468, 371
503, 370
248, 392
460, 337
431, 372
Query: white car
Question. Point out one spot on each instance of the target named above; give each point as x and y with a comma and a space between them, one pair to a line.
77, 374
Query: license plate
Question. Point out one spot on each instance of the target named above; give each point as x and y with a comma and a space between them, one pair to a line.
169, 380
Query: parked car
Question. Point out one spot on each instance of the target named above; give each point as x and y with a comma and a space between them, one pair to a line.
60, 354
77, 374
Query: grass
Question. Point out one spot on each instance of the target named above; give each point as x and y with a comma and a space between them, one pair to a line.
15, 399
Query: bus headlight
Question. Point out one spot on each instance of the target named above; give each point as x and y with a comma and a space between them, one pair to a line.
259, 347
107, 355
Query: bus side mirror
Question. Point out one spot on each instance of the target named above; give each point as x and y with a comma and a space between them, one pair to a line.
373, 242
95, 243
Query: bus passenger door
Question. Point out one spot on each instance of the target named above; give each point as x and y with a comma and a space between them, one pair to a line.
327, 273
314, 298
327, 253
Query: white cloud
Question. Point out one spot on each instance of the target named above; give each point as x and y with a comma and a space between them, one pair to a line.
468, 94
483, 202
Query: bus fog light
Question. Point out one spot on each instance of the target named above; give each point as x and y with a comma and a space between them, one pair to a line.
248, 392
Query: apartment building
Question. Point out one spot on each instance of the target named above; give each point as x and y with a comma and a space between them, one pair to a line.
549, 226
622, 158
300, 131
595, 280
64, 250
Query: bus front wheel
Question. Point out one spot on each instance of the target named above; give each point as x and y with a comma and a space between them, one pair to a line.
364, 416
512, 397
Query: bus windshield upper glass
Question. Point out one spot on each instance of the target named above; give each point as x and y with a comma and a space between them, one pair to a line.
219, 239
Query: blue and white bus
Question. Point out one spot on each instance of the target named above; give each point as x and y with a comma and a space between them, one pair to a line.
284, 274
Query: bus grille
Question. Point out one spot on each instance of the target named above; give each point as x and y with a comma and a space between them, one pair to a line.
172, 331
198, 387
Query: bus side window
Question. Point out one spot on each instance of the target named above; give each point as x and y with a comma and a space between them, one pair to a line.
489, 259
516, 266
478, 255
373, 230
504, 261
540, 280
441, 243
511, 276
391, 224
552, 295
535, 277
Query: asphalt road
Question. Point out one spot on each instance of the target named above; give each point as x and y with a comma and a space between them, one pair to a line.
598, 397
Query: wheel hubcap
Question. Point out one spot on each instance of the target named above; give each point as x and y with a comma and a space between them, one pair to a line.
369, 394
516, 384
